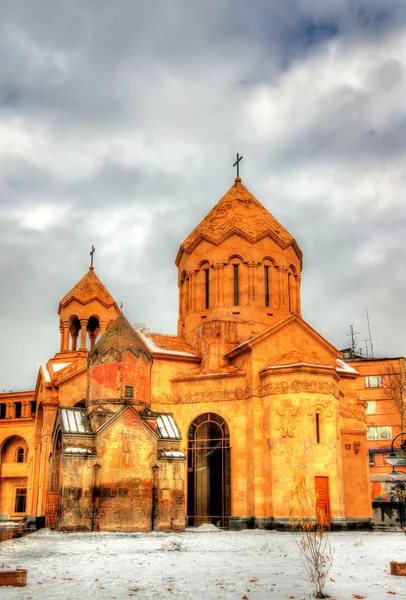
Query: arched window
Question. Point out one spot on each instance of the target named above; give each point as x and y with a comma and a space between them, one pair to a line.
236, 288
317, 417
209, 471
207, 287
183, 301
266, 284
20, 455
203, 285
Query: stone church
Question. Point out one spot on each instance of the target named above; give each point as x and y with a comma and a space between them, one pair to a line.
132, 430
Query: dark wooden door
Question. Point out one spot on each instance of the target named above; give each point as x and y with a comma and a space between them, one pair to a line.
52, 509
322, 501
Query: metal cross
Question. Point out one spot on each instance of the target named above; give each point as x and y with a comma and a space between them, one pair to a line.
121, 307
237, 164
91, 255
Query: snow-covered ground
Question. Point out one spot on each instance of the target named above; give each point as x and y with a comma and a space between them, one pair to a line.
198, 564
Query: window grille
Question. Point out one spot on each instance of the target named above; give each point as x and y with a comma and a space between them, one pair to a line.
371, 408
373, 381
380, 432
129, 391
21, 500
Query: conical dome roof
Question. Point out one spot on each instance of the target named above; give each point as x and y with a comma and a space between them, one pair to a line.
120, 337
238, 212
87, 289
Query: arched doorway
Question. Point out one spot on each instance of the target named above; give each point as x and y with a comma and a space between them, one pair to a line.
209, 471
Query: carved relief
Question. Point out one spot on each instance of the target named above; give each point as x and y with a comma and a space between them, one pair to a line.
353, 413
281, 387
287, 412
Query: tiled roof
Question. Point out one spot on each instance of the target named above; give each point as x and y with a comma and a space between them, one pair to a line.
239, 212
87, 289
168, 344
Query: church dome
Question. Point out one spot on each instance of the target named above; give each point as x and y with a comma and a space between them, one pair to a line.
120, 337
238, 212
87, 289
238, 273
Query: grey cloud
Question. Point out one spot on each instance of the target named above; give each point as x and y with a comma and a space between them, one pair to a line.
119, 123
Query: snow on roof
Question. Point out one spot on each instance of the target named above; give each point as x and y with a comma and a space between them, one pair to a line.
300, 364
171, 454
161, 344
167, 427
45, 373
74, 450
343, 367
74, 420
58, 366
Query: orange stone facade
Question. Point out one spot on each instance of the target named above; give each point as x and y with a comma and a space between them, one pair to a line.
131, 430
381, 385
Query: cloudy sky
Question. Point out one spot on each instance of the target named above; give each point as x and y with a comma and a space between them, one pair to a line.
119, 124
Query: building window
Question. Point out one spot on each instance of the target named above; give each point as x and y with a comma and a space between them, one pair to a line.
2, 411
373, 381
371, 407
20, 455
236, 294
266, 282
129, 391
207, 287
318, 428
380, 432
18, 410
21, 500
33, 407
371, 458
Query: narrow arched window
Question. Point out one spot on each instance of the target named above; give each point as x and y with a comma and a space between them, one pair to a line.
236, 290
207, 287
318, 418
266, 284
20, 455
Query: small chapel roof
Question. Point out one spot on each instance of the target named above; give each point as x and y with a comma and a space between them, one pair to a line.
74, 420
121, 336
87, 289
239, 212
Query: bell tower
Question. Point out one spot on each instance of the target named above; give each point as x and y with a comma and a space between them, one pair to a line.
85, 312
238, 274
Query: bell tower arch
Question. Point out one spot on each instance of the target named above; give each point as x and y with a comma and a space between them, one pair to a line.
85, 313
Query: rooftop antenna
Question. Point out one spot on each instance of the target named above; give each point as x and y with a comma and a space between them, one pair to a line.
353, 335
366, 347
370, 336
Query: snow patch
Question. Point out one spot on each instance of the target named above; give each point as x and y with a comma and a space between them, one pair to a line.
207, 527
172, 545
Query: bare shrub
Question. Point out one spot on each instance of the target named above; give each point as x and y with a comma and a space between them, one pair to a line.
313, 536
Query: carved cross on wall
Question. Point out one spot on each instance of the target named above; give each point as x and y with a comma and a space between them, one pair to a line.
237, 164
93, 250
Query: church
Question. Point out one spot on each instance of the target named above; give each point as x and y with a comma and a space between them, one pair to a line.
129, 430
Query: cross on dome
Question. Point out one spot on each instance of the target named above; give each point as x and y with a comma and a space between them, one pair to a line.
237, 164
92, 251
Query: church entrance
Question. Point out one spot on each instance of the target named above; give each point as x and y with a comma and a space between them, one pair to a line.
209, 471
322, 501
